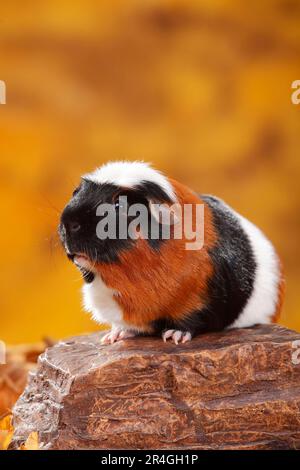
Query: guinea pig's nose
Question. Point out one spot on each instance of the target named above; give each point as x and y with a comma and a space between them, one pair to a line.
74, 227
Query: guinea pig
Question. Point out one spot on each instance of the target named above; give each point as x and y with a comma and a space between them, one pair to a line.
156, 285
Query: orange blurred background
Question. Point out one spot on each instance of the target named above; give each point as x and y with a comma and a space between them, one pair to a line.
202, 89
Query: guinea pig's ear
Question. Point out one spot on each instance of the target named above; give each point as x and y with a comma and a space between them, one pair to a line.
162, 208
165, 213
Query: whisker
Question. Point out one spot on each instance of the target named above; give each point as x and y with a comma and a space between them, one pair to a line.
50, 204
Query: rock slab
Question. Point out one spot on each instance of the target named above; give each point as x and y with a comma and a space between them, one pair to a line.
238, 389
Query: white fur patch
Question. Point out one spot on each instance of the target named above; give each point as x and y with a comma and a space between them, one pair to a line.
261, 305
130, 174
99, 300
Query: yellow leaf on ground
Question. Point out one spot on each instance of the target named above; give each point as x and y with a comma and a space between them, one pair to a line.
6, 432
32, 442
6, 424
5, 438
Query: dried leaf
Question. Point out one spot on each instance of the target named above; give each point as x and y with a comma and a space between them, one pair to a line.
5, 439
6, 432
5, 423
32, 442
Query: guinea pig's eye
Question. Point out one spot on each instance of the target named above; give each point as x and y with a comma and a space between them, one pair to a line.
120, 204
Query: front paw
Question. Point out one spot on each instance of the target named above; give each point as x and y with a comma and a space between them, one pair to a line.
116, 334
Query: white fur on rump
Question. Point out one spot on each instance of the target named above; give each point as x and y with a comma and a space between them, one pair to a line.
130, 174
261, 305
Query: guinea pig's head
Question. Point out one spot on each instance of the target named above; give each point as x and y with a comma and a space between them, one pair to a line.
104, 197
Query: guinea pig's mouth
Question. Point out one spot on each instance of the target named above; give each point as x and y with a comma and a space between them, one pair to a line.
80, 259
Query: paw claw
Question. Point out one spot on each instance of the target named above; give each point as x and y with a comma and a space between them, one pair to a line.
116, 334
186, 337
177, 336
105, 339
167, 334
124, 334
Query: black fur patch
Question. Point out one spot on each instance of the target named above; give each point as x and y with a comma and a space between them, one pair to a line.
152, 191
232, 281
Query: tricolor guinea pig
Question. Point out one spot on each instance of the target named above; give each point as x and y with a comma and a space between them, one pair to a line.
157, 285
